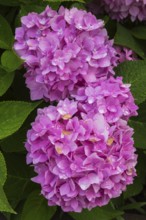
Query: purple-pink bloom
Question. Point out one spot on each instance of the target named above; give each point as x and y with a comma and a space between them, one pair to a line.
63, 50
82, 148
124, 54
109, 97
81, 161
123, 9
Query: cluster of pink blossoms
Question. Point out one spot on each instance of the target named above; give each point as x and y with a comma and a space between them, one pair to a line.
121, 9
81, 160
109, 97
62, 51
82, 149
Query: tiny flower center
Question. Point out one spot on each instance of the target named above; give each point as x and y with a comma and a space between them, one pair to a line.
109, 160
66, 132
58, 149
110, 141
66, 116
129, 172
93, 140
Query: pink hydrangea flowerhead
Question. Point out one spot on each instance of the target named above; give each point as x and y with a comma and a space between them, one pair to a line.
124, 54
81, 162
63, 50
110, 97
122, 9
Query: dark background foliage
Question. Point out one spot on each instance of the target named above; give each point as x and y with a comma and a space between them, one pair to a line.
17, 193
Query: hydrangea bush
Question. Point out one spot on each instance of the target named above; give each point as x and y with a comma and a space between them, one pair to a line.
73, 100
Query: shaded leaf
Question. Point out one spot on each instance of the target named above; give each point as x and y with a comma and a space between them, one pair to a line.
3, 170
19, 210
13, 114
135, 205
134, 72
9, 2
139, 133
4, 204
134, 189
36, 205
65, 1
19, 2
6, 35
139, 32
10, 61
141, 113
78, 5
15, 142
6, 79
141, 174
137, 186
25, 9
102, 213
124, 37
18, 184
18, 90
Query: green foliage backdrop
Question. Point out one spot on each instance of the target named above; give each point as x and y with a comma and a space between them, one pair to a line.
17, 193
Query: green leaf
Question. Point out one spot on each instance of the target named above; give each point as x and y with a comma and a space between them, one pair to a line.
134, 72
10, 61
4, 204
19, 2
15, 142
120, 218
31, 8
137, 186
139, 133
19, 210
78, 5
102, 213
135, 205
18, 90
65, 1
6, 79
141, 174
141, 113
139, 32
6, 35
18, 184
134, 189
9, 2
12, 116
36, 205
111, 27
3, 170
124, 38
